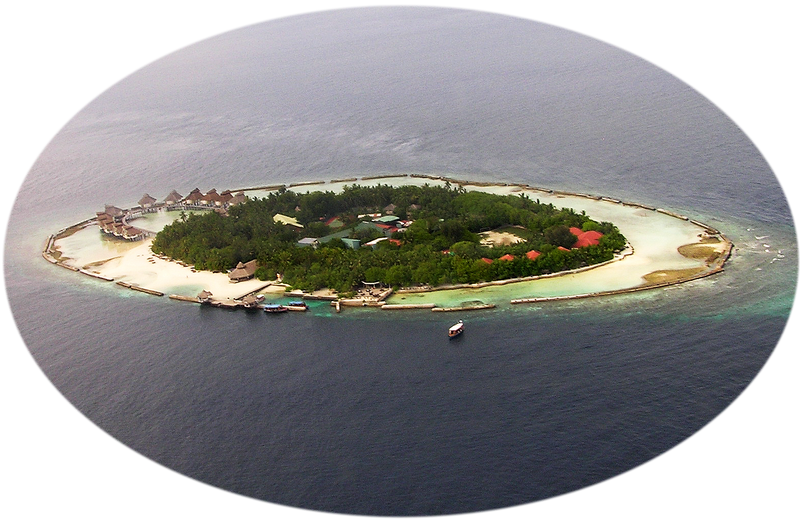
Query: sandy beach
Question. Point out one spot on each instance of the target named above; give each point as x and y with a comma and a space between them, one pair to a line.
140, 267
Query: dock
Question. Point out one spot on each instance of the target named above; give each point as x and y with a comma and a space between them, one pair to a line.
184, 298
408, 306
463, 308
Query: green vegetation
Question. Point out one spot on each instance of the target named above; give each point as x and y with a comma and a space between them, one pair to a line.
440, 246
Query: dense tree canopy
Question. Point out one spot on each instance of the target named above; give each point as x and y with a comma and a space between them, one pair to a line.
441, 245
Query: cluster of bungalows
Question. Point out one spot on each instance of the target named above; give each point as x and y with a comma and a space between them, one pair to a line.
384, 225
585, 238
114, 221
212, 199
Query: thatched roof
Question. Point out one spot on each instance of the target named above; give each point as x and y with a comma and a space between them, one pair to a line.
243, 271
173, 197
146, 200
250, 300
238, 198
194, 196
114, 211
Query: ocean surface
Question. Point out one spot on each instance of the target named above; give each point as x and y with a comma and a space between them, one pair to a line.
366, 412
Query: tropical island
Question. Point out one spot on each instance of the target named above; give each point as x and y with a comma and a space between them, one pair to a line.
401, 236
394, 241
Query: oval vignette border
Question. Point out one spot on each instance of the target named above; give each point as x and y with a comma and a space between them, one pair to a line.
56, 461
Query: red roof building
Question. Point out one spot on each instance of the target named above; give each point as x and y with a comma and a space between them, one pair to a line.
562, 248
532, 254
588, 238
507, 257
576, 231
487, 260
334, 222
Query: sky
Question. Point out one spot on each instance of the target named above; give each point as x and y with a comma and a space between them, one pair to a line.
59, 56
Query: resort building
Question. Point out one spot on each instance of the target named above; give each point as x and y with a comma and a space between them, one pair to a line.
585, 238
532, 254
147, 201
308, 242
243, 271
173, 198
194, 198
114, 212
334, 222
588, 238
387, 219
238, 198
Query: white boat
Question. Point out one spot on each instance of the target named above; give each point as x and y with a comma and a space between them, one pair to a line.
456, 329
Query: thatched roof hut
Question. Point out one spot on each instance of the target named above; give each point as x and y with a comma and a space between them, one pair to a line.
194, 197
238, 198
114, 211
147, 201
173, 198
243, 271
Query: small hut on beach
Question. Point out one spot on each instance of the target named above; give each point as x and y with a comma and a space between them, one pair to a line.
243, 271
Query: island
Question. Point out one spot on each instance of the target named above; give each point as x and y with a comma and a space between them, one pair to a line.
393, 241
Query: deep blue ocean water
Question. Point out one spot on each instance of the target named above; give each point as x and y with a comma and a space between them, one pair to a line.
380, 414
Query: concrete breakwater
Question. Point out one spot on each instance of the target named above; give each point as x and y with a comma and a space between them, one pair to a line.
408, 306
475, 307
134, 287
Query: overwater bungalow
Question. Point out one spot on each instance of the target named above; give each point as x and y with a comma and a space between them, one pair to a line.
173, 198
194, 198
147, 201
238, 198
212, 198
